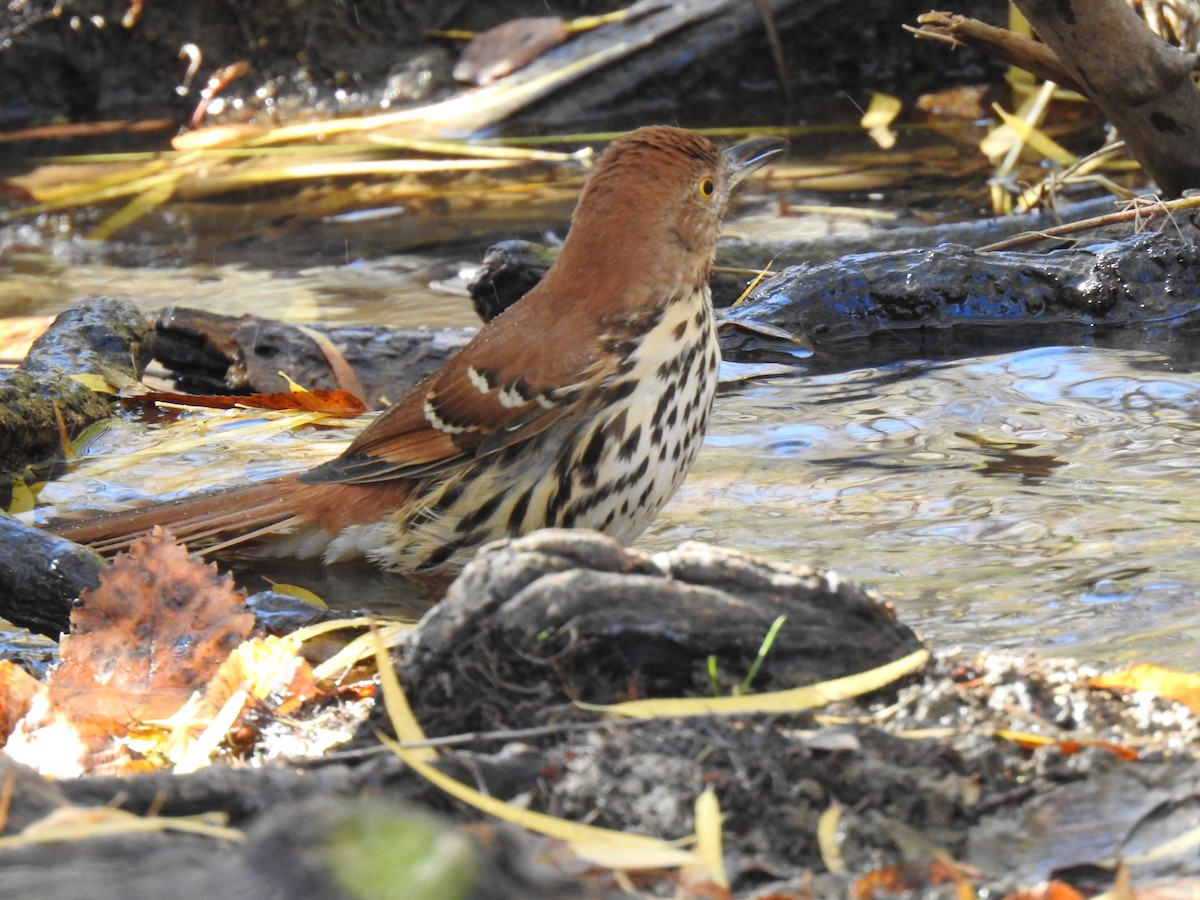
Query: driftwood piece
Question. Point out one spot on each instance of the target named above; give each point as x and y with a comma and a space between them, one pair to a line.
1017, 49
97, 336
560, 615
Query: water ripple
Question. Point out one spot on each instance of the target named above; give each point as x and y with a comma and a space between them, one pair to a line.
1042, 499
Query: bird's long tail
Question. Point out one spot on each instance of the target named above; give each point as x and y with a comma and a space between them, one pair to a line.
213, 520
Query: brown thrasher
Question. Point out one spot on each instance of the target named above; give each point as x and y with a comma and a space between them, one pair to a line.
583, 405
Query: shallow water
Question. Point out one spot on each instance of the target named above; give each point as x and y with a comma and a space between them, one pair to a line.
1036, 499
1040, 499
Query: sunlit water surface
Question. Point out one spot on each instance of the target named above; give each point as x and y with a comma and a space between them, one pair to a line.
1042, 499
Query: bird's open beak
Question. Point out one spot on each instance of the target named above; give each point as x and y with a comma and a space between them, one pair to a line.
751, 155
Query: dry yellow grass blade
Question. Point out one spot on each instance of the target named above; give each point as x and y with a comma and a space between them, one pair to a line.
603, 846
476, 151
709, 842
1036, 139
400, 714
801, 698
194, 753
73, 823
213, 183
185, 436
362, 647
758, 277
142, 204
89, 193
50, 194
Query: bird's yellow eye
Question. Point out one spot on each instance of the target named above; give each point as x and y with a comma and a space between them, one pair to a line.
706, 187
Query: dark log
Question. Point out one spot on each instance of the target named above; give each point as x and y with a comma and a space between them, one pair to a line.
210, 353
951, 298
41, 576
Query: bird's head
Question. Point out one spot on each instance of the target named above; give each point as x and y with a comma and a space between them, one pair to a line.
655, 200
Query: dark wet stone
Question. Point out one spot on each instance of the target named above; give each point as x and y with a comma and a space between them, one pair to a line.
324, 834
97, 336
509, 269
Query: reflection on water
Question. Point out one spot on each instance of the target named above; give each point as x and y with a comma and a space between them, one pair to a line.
1036, 499
392, 290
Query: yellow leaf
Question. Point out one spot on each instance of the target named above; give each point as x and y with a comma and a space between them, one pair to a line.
709, 844
96, 383
24, 498
878, 118
1183, 687
300, 593
827, 839
807, 697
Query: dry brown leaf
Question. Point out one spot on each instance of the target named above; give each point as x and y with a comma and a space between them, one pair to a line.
507, 47
157, 628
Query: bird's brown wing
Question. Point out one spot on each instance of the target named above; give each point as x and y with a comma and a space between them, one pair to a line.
501, 389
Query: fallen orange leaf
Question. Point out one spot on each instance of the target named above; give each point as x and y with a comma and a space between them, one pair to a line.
1066, 746
335, 403
1183, 687
17, 690
902, 877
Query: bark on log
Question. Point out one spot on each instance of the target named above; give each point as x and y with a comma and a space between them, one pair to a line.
1143, 84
